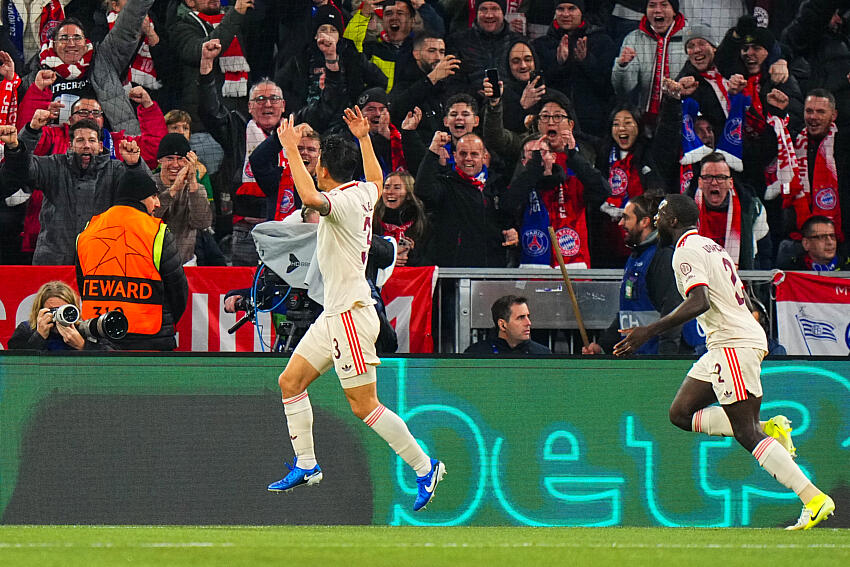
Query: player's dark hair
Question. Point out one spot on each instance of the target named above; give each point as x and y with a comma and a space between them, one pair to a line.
340, 157
683, 208
808, 227
463, 98
501, 308
85, 123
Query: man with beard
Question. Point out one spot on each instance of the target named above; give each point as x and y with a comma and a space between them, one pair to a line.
265, 106
729, 372
77, 185
423, 85
394, 44
648, 290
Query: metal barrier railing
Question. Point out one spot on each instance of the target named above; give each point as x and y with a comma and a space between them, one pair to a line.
464, 296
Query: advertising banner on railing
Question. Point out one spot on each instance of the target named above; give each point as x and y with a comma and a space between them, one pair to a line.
813, 314
203, 327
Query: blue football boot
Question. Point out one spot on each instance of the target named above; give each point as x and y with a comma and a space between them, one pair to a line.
296, 477
427, 484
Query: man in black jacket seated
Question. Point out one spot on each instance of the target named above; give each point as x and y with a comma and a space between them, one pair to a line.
513, 330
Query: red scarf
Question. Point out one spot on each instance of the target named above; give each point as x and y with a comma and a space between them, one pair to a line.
624, 178
250, 189
396, 150
478, 181
48, 58
783, 175
822, 189
9, 99
568, 219
142, 71
662, 59
686, 175
396, 230
722, 227
232, 61
755, 121
719, 85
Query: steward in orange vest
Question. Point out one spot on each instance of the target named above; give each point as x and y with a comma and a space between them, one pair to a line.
128, 261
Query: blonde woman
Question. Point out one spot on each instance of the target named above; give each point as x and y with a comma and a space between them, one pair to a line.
41, 332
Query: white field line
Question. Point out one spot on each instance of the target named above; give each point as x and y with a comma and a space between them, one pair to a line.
448, 545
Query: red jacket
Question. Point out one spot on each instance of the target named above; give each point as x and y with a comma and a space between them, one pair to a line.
55, 139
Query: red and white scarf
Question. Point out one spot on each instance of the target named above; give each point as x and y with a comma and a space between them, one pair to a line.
8, 103
662, 59
285, 200
722, 227
142, 71
48, 58
720, 87
783, 175
822, 190
232, 61
623, 177
477, 181
397, 231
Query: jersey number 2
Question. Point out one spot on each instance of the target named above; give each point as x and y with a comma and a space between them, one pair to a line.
730, 268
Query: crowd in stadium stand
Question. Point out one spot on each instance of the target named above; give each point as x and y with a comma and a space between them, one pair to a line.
492, 120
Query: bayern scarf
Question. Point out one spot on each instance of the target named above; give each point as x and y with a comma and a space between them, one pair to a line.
232, 61
142, 71
623, 177
823, 187
711, 223
782, 176
285, 201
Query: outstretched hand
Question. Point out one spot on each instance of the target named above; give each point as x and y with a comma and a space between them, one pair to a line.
288, 134
357, 123
635, 337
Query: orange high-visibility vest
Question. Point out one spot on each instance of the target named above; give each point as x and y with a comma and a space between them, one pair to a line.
119, 253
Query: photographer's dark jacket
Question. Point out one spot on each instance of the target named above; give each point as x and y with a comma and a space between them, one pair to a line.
27, 338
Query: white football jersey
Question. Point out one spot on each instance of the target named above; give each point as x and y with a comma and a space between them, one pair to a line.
698, 261
344, 237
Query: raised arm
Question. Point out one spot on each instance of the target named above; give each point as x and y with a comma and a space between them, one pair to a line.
359, 127
289, 136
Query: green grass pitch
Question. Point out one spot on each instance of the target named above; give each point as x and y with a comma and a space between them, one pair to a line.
349, 546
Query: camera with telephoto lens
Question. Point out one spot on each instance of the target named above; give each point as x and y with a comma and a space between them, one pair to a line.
112, 325
65, 315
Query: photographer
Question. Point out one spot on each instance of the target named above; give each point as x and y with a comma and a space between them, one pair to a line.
42, 332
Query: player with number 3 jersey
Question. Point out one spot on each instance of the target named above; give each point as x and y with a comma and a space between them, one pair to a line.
344, 334
729, 373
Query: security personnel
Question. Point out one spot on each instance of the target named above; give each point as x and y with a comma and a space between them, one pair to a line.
648, 289
128, 261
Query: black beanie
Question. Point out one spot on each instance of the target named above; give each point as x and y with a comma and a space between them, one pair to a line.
375, 94
748, 31
328, 14
502, 3
578, 4
173, 144
135, 185
674, 3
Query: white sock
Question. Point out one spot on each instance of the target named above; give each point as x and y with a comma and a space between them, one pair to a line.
394, 431
775, 459
712, 420
299, 419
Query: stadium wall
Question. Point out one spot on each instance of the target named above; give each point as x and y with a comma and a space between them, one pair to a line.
195, 439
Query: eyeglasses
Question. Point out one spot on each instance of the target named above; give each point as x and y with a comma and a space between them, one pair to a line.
65, 38
715, 178
86, 113
556, 118
822, 237
273, 99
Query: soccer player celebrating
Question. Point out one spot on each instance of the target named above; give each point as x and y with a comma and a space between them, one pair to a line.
344, 334
730, 371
